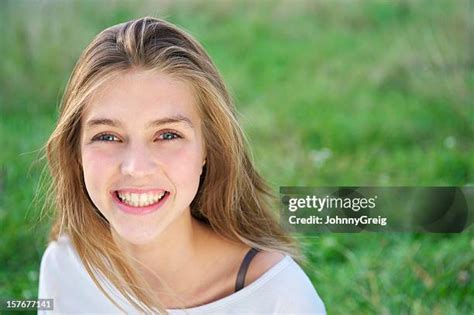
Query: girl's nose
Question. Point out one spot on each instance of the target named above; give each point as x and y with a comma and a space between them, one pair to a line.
138, 161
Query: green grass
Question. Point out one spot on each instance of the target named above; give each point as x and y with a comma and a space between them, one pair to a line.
383, 87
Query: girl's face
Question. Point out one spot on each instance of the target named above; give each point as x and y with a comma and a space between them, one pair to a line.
142, 153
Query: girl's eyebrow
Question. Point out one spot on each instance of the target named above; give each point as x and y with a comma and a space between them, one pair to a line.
155, 123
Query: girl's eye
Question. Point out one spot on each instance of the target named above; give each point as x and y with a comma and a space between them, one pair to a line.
168, 135
105, 137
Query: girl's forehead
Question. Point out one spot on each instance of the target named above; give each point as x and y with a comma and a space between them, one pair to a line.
138, 94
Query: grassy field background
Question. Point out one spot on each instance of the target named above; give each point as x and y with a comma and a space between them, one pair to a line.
330, 93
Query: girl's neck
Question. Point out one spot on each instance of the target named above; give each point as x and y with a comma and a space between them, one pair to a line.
189, 259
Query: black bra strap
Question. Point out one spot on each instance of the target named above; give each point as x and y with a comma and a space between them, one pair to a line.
239, 283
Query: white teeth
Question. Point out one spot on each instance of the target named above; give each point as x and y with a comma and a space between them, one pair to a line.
140, 200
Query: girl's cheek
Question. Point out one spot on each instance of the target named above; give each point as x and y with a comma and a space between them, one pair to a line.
185, 158
97, 160
178, 159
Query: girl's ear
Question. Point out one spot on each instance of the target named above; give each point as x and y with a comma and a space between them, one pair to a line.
203, 164
79, 158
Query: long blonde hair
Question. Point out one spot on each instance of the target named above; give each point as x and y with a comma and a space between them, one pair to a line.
232, 198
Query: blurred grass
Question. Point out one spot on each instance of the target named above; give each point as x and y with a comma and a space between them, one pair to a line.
330, 92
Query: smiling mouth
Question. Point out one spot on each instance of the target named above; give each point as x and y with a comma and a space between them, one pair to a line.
141, 200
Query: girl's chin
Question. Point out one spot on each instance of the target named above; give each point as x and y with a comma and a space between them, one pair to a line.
139, 235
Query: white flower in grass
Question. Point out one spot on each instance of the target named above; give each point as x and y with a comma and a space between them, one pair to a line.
449, 142
319, 157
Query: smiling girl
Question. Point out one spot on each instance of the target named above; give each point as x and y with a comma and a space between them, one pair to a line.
158, 206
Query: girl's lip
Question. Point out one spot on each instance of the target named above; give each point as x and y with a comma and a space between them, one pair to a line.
140, 191
139, 210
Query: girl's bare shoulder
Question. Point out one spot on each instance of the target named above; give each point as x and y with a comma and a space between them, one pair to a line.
261, 263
